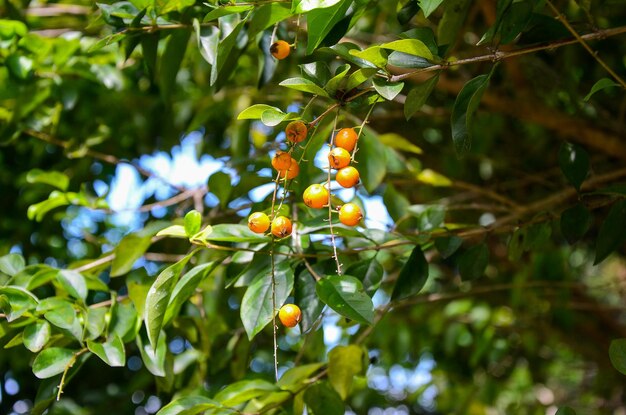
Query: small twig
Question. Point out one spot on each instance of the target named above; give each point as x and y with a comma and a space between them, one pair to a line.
67, 368
330, 205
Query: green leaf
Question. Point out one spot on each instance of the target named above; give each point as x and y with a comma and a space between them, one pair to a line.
335, 82
19, 300
387, 90
185, 288
256, 305
111, 352
232, 233
429, 217
225, 48
321, 21
296, 376
371, 160
19, 66
304, 6
611, 235
175, 231
304, 85
345, 51
52, 178
400, 143
416, 98
359, 76
410, 47
189, 405
344, 362
374, 54
193, 222
11, 28
153, 359
413, 275
575, 222
574, 162
73, 282
617, 354
159, 296
565, 410
243, 391
36, 335
61, 313
429, 6
537, 236
127, 252
448, 246
473, 262
452, 21
463, 111
323, 399
225, 11
345, 295
306, 297
220, 184
369, 271
52, 361
11, 264
96, 321
171, 60
603, 83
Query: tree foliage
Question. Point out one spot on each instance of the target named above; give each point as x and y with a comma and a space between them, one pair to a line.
486, 276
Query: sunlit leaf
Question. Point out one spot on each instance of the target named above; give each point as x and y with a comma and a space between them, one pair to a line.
345, 295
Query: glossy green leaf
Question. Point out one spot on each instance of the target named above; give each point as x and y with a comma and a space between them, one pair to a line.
12, 28
465, 106
127, 252
369, 271
186, 286
303, 6
336, 81
11, 264
256, 306
321, 21
73, 282
344, 362
220, 184
400, 143
429, 217
574, 162
304, 85
413, 275
52, 361
296, 376
322, 399
603, 83
111, 352
360, 76
36, 335
64, 316
52, 178
429, 6
232, 233
417, 97
19, 66
452, 21
374, 55
448, 246
242, 391
159, 296
255, 112
617, 354
153, 358
473, 262
413, 47
96, 321
225, 49
19, 300
387, 90
346, 51
307, 299
171, 60
537, 236
193, 222
345, 295
189, 405
371, 160
225, 11
175, 231
611, 235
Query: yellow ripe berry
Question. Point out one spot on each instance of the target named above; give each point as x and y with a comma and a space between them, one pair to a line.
258, 222
315, 196
280, 49
350, 214
292, 172
290, 315
347, 177
281, 227
281, 161
346, 138
296, 131
339, 158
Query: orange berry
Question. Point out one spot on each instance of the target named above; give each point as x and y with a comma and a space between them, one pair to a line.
281, 227
296, 131
347, 177
346, 138
258, 222
350, 214
315, 196
339, 158
280, 49
289, 315
292, 172
281, 161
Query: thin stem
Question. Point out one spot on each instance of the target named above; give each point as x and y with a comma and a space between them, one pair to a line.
330, 205
67, 368
580, 40
274, 325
